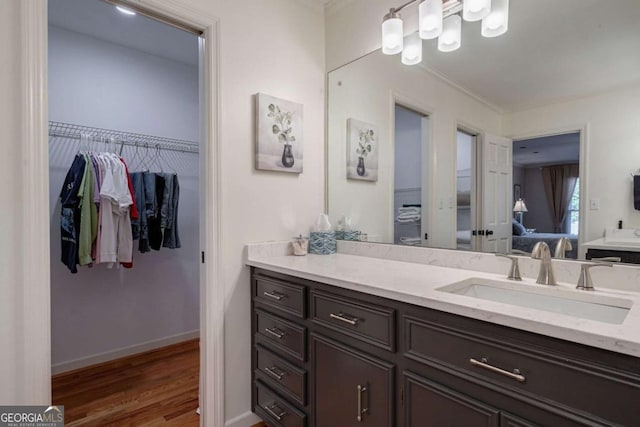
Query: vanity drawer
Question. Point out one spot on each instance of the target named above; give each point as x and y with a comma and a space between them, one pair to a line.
275, 410
281, 295
287, 336
363, 321
536, 371
287, 378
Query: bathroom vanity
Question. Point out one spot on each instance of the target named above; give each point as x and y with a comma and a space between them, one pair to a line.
345, 340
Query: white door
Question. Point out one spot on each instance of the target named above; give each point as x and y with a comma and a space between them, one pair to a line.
497, 171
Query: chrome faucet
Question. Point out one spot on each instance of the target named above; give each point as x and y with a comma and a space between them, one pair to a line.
585, 282
542, 252
514, 271
563, 245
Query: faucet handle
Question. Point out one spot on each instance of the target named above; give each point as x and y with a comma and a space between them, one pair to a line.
514, 271
585, 282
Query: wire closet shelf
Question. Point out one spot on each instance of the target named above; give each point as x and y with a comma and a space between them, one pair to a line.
109, 136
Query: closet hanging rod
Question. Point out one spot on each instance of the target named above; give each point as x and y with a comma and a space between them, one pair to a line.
73, 131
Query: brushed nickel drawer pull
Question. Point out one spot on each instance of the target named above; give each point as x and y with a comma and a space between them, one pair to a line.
350, 320
361, 411
274, 295
483, 363
275, 372
270, 409
275, 332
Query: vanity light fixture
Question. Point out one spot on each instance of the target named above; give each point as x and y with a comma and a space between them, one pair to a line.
442, 19
412, 52
125, 10
392, 33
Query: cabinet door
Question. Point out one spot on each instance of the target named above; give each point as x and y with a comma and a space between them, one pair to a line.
427, 403
350, 387
508, 420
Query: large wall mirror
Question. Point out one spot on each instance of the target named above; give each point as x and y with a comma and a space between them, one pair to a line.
506, 141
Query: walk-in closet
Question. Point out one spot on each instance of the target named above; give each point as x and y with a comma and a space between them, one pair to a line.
124, 150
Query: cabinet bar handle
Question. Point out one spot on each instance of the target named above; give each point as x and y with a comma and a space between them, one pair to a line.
273, 371
275, 332
483, 363
352, 321
361, 411
270, 408
274, 295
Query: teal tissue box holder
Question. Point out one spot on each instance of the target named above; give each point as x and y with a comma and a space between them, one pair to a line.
322, 242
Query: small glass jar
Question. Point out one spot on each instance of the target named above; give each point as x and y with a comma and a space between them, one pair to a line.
299, 245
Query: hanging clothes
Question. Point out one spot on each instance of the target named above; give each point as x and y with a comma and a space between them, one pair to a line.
70, 213
105, 208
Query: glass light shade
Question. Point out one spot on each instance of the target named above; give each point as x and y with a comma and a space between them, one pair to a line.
430, 19
496, 23
125, 10
412, 52
451, 36
475, 10
520, 206
392, 34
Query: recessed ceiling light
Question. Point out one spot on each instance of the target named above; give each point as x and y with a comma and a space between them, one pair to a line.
535, 152
522, 147
125, 10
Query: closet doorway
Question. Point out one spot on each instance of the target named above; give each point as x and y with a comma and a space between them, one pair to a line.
411, 176
124, 89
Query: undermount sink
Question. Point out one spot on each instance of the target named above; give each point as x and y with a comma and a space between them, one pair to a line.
626, 236
579, 304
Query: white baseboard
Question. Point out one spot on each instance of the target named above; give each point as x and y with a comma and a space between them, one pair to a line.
245, 420
122, 352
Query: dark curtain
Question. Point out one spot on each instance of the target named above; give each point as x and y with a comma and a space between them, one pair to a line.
559, 183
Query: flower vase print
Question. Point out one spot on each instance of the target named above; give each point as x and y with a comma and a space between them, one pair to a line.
278, 134
362, 146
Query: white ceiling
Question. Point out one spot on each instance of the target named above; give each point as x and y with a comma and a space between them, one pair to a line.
554, 51
101, 20
556, 149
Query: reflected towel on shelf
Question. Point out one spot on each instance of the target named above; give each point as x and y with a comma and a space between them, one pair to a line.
408, 219
413, 241
409, 214
409, 209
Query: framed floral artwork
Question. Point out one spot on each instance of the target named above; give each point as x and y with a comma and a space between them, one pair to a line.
278, 134
362, 150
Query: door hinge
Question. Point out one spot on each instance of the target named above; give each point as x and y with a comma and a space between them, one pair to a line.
202, 256
426, 236
474, 232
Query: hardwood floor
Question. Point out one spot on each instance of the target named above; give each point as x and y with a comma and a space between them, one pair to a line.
159, 387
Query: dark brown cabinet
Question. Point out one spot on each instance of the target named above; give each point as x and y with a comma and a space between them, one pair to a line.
351, 388
432, 404
330, 357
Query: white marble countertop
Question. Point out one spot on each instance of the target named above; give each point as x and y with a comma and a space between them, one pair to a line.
601, 243
417, 284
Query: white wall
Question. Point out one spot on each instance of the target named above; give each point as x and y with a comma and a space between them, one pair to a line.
275, 47
611, 154
355, 91
102, 84
99, 310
